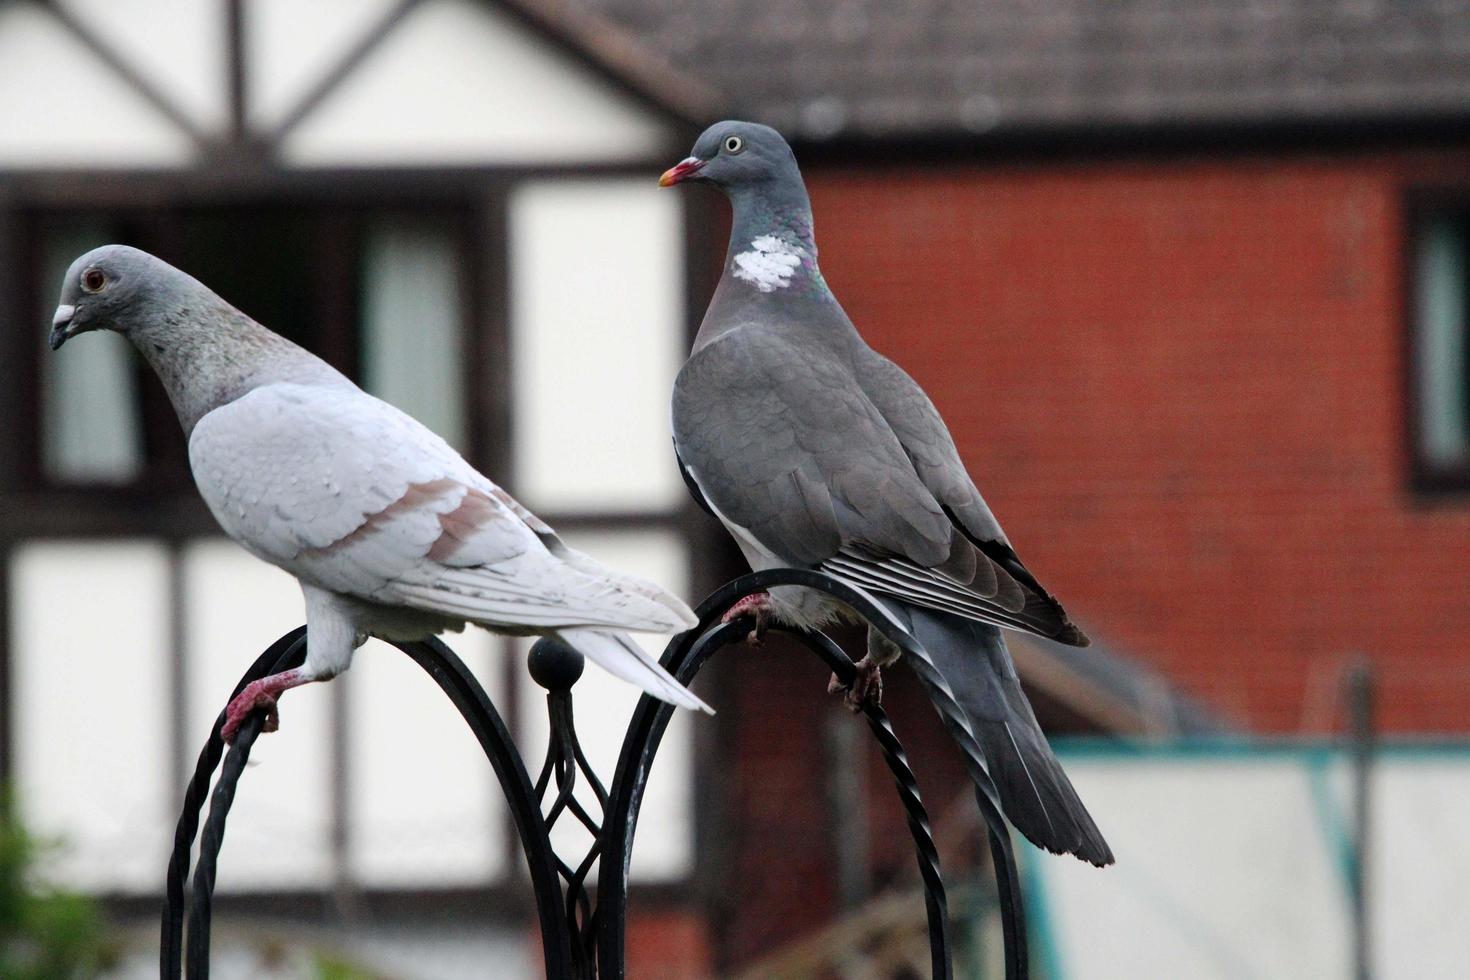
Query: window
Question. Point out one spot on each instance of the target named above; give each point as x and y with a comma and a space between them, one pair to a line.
90, 402
1441, 343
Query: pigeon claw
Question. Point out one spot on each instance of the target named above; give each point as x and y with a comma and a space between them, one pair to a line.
258, 695
756, 605
866, 687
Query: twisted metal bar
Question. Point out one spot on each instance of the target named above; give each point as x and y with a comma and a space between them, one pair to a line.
650, 721
287, 652
474, 705
202, 892
936, 904
569, 924
684, 657
1007, 878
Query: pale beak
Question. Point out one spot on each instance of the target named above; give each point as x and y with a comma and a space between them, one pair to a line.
680, 171
61, 325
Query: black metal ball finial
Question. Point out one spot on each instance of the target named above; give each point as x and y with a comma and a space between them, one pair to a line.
554, 665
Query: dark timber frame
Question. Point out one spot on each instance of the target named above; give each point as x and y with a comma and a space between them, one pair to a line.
242, 164
582, 939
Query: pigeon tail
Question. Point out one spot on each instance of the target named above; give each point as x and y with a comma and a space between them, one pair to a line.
1035, 793
621, 656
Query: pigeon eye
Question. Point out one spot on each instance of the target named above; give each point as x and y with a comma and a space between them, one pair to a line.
93, 280
734, 144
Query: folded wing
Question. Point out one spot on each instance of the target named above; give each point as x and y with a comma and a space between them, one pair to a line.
352, 495
798, 454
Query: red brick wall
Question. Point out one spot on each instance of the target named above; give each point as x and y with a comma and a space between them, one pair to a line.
776, 843
668, 945
1180, 386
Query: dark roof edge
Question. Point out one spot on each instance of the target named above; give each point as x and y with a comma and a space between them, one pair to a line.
619, 56
1214, 138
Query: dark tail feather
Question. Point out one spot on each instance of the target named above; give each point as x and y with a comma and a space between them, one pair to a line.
1034, 791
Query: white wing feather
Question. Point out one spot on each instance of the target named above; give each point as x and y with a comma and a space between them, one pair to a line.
352, 495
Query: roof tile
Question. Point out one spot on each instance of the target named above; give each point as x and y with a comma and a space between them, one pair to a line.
954, 66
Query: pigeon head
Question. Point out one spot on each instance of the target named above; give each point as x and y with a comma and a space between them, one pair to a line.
204, 350
734, 156
772, 250
112, 288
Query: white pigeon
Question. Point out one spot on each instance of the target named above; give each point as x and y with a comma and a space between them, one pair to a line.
389, 531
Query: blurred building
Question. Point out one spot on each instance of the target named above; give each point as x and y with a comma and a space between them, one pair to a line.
1188, 283
454, 202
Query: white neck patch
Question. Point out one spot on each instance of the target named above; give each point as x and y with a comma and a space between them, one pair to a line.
769, 264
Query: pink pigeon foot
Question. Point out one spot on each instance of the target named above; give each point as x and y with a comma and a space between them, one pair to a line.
260, 694
866, 687
757, 604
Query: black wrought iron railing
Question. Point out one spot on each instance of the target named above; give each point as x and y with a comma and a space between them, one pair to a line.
584, 936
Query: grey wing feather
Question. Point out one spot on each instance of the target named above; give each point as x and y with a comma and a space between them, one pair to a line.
300, 476
792, 446
926, 440
786, 446
1035, 793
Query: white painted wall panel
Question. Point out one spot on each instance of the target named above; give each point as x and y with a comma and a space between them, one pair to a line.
597, 279
425, 808
603, 705
1232, 864
1419, 893
62, 107
89, 629
291, 45
463, 82
236, 606
1229, 865
177, 45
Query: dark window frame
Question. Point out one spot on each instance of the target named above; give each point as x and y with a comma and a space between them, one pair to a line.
1421, 205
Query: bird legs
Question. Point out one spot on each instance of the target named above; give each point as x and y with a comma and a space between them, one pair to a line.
261, 694
867, 684
332, 633
758, 605
866, 687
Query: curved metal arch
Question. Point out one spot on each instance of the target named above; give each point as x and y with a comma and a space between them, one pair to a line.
474, 705
684, 657
287, 652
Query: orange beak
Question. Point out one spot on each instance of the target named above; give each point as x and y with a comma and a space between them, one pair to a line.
681, 171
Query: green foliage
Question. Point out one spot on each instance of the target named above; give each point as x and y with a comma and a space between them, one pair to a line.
45, 933
329, 967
